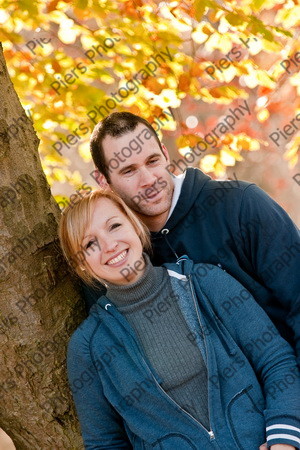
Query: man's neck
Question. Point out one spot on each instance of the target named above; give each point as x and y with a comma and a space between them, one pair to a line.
154, 223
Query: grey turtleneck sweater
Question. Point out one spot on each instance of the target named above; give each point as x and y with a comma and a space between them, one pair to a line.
150, 306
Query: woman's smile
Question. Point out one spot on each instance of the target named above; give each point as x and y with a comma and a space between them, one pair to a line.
118, 260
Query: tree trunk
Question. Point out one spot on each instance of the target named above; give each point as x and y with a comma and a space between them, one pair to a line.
39, 299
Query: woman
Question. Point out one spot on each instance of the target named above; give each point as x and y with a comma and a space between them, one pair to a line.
162, 361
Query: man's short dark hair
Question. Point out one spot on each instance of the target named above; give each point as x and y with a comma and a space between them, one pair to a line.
115, 125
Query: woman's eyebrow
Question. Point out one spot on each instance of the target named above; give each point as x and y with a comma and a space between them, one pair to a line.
113, 217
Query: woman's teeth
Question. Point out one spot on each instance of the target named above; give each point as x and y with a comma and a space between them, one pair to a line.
118, 258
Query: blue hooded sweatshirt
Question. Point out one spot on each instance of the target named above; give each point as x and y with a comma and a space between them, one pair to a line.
253, 380
236, 224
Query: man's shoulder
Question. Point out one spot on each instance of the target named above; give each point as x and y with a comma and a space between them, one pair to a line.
233, 185
197, 184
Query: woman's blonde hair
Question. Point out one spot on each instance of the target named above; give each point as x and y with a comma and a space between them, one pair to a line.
76, 218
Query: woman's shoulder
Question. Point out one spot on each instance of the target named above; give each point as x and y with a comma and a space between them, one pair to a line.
213, 279
82, 336
202, 270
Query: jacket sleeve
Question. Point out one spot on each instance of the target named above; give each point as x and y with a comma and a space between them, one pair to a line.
273, 248
271, 357
101, 426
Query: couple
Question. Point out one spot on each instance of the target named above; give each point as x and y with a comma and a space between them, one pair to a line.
181, 356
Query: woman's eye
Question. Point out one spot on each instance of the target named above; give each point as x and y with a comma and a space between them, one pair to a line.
90, 243
115, 225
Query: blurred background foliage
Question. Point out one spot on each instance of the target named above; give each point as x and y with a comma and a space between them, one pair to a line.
67, 58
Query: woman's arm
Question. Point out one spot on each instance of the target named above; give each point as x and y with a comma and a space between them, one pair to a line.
101, 426
270, 355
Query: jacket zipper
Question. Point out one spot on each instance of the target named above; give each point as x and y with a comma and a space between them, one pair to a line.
211, 433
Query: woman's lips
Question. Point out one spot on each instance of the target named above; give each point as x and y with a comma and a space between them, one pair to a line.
119, 259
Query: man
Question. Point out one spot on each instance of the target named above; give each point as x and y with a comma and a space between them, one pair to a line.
233, 224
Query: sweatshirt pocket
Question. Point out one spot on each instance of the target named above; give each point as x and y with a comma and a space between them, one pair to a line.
173, 441
246, 420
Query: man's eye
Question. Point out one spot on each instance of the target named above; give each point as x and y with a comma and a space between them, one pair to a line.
115, 225
126, 172
153, 161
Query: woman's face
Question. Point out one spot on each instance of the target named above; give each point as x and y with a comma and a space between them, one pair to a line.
117, 255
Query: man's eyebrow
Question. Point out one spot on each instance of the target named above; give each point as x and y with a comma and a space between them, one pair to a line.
133, 164
87, 235
127, 167
154, 154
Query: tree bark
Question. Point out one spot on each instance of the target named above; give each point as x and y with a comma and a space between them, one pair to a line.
39, 299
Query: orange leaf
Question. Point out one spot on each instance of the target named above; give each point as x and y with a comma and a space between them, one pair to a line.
262, 91
56, 66
184, 82
52, 5
153, 85
196, 71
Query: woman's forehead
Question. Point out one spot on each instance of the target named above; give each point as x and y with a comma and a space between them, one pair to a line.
102, 211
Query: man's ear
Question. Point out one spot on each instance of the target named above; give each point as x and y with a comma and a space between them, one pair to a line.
100, 179
165, 152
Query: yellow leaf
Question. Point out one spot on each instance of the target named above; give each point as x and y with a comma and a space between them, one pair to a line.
207, 163
263, 115
220, 170
222, 42
84, 151
59, 175
288, 16
201, 33
66, 33
226, 158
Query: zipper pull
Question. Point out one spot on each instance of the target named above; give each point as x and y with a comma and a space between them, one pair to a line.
211, 434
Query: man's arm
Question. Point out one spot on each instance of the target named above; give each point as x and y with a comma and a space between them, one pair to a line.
273, 248
273, 362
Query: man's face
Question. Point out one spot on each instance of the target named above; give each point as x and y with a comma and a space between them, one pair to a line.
138, 174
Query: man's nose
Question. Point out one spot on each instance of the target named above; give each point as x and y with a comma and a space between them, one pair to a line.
147, 178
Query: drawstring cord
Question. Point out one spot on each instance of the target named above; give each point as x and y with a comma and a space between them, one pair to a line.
164, 232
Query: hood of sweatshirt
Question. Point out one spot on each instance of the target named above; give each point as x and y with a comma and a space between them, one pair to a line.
193, 184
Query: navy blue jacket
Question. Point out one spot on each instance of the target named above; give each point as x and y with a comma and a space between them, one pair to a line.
236, 224
253, 380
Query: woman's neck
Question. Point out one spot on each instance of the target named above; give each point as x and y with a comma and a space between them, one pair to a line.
149, 282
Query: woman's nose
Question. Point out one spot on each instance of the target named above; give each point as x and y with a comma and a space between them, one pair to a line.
109, 245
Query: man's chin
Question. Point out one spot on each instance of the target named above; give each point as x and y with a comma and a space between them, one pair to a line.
151, 210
